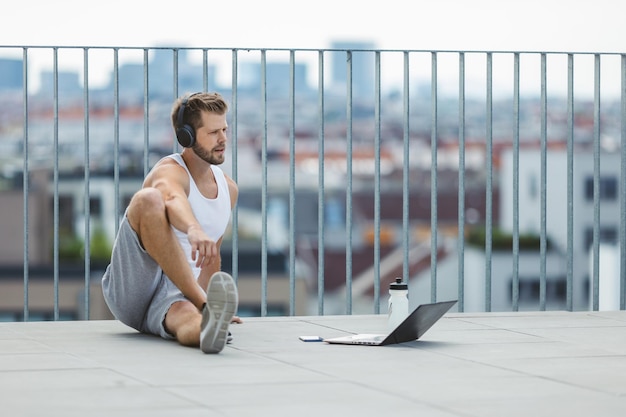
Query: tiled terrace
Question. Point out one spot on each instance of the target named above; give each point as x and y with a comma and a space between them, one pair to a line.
469, 364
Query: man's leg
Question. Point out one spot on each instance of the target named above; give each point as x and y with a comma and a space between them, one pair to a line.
146, 215
183, 322
208, 330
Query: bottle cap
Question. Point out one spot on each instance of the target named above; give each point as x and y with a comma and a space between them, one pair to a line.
398, 285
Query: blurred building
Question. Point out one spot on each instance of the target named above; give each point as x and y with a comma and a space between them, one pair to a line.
12, 72
362, 68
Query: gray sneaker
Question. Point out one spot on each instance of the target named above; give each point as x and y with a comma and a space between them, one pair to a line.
221, 306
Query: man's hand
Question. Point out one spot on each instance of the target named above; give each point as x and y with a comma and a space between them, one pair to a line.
203, 250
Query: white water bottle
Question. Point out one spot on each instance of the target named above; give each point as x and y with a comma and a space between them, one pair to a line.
398, 304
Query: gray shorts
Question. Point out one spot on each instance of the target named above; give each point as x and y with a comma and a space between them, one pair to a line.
135, 288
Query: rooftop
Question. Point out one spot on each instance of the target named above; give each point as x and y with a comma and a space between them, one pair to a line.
467, 364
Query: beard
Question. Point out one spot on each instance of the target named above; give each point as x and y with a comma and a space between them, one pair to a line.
207, 156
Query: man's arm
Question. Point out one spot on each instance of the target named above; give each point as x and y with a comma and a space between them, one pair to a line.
173, 182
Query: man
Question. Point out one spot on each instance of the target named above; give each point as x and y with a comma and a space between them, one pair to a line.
167, 250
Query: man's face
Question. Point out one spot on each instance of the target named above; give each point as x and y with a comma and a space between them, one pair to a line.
211, 138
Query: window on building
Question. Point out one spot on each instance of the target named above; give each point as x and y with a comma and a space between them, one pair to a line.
95, 206
66, 212
254, 310
608, 188
607, 235
530, 289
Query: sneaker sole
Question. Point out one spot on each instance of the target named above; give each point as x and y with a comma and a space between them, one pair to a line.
221, 306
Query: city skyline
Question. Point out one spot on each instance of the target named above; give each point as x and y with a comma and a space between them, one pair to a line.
71, 60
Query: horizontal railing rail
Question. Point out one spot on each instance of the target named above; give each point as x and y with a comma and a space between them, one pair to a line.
497, 178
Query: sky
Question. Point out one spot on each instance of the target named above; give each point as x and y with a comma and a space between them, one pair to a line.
468, 25
521, 25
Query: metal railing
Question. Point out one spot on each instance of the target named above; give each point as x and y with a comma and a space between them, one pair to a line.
406, 101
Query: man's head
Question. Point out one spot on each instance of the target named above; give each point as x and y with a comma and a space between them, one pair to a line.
187, 114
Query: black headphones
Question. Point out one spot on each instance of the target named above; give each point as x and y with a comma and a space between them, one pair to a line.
185, 133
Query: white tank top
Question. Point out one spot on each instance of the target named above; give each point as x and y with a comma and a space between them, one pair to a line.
213, 214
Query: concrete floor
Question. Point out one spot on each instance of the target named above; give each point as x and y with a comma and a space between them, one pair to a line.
467, 364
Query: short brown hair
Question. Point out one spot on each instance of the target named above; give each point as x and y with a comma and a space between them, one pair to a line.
196, 104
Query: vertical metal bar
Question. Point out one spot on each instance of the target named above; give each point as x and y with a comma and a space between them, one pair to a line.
175, 145
596, 185
570, 184
516, 120
205, 70
56, 180
377, 144
116, 133
544, 184
264, 183
349, 178
26, 186
146, 114
406, 227
87, 205
461, 209
235, 168
292, 183
622, 234
433, 178
320, 194
489, 185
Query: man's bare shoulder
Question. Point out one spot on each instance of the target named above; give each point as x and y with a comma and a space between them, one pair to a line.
231, 183
166, 169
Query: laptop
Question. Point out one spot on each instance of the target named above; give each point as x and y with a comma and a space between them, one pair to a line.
412, 328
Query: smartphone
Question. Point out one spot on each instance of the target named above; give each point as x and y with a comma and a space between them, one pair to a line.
311, 338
